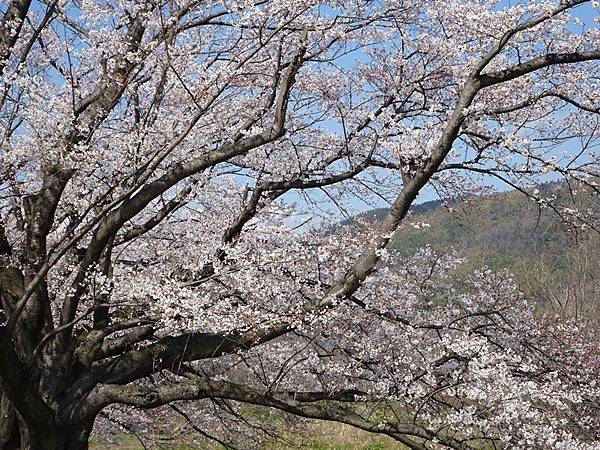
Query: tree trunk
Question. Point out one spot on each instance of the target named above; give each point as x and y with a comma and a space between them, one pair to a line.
10, 434
75, 439
50, 438
15, 435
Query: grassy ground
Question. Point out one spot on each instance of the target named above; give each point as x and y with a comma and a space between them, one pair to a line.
319, 436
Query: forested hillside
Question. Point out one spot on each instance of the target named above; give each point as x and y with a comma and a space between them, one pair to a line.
497, 230
554, 263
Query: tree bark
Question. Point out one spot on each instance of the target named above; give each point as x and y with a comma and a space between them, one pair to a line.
15, 435
10, 434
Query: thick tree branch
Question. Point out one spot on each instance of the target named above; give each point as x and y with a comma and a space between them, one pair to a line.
551, 59
10, 28
315, 405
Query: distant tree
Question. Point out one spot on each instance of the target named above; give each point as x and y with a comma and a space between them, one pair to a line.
160, 160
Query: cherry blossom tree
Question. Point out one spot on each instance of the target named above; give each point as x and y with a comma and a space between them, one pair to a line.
169, 172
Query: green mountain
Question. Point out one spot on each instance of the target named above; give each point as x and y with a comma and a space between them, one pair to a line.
498, 230
552, 262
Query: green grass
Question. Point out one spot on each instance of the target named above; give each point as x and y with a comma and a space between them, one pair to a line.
316, 436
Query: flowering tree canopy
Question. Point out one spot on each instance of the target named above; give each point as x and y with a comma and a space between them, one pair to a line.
169, 169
